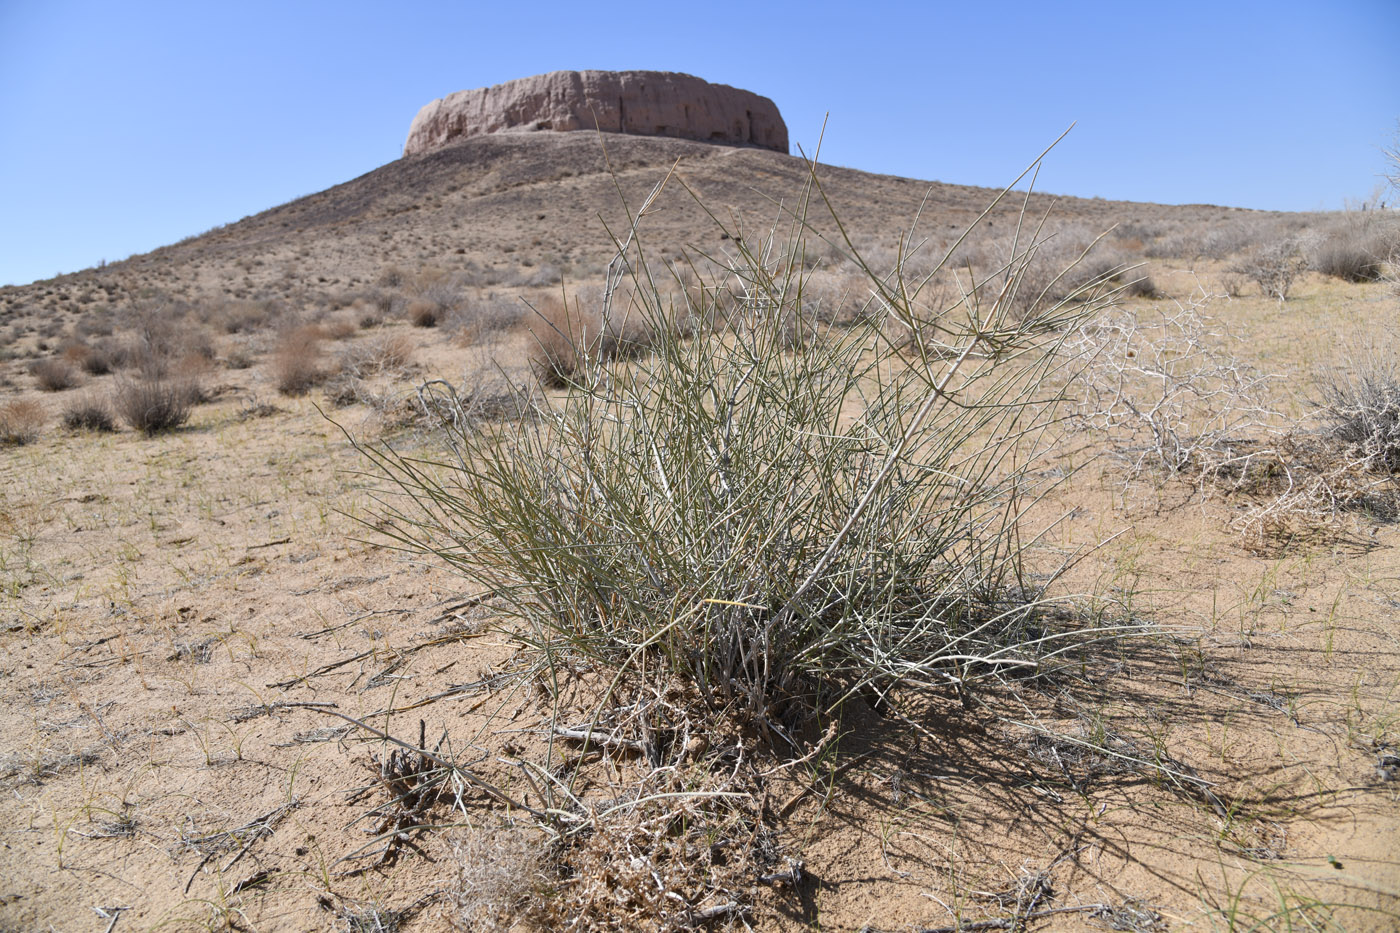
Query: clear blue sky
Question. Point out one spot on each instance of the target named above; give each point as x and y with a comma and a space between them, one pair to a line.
125, 126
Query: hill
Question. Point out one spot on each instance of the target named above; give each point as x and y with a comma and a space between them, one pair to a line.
493, 206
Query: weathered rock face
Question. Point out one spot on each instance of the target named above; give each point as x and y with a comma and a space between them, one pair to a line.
644, 103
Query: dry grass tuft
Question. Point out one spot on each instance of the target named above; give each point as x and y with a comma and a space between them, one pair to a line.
21, 420
89, 414
54, 374
1356, 250
296, 366
499, 874
423, 313
1361, 407
564, 335
154, 401
94, 362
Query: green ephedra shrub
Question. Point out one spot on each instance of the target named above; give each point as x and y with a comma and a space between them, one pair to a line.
779, 511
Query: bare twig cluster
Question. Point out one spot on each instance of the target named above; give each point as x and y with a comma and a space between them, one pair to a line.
1176, 402
1169, 391
1274, 267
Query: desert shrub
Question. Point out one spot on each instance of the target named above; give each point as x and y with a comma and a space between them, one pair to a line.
475, 319
1181, 244
423, 313
435, 296
74, 352
1360, 406
382, 303
555, 356
345, 388
95, 361
385, 353
834, 297
89, 415
239, 357
118, 353
153, 401
1233, 284
1138, 284
1346, 258
565, 334
545, 276
488, 391
1274, 267
1391, 274
1133, 234
339, 328
1356, 251
776, 524
1108, 268
193, 373
152, 325
21, 420
54, 374
195, 342
391, 277
296, 366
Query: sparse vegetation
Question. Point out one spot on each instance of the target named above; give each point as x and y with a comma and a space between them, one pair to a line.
477, 319
384, 353
610, 743
92, 361
498, 873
